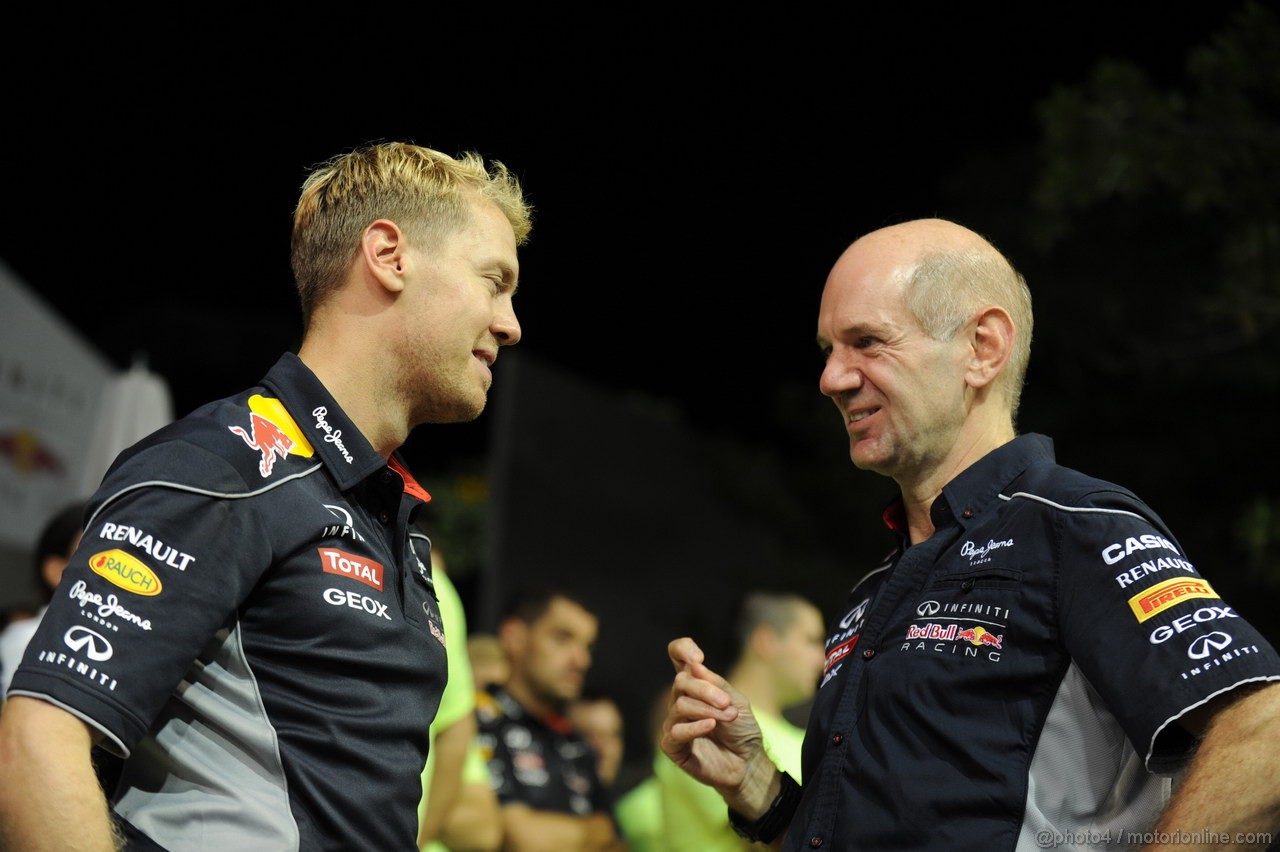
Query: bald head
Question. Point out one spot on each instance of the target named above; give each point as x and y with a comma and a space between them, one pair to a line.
939, 234
946, 273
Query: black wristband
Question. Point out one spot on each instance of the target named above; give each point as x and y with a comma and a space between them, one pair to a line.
775, 820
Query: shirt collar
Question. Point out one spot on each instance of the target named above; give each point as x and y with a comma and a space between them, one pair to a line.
346, 453
978, 486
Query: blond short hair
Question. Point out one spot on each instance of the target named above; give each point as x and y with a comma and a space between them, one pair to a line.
425, 192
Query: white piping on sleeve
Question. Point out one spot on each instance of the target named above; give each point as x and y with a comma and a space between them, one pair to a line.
191, 489
1151, 748
1048, 502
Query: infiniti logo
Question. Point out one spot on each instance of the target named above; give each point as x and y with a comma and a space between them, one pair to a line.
94, 645
928, 608
855, 615
1208, 644
341, 512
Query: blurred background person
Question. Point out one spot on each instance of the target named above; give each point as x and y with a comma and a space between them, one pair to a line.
599, 719
458, 811
780, 641
639, 810
543, 770
57, 541
488, 660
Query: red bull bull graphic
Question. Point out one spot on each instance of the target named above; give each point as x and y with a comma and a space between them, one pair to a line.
1161, 596
28, 454
981, 636
273, 433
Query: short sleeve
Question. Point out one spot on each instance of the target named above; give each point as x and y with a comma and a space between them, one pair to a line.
158, 572
1146, 626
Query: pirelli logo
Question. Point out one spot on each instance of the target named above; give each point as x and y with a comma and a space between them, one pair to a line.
1161, 596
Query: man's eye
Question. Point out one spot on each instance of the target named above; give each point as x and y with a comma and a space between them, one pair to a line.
865, 341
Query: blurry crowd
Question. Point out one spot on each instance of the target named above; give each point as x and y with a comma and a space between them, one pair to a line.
539, 761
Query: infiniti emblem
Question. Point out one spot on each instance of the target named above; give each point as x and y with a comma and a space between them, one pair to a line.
1207, 644
94, 645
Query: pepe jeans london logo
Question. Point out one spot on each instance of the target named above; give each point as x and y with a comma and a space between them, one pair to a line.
977, 553
331, 435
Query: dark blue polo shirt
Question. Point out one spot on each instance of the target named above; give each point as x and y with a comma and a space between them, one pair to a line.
541, 762
1015, 681
247, 620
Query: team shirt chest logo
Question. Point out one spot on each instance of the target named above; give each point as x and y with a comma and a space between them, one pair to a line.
359, 568
272, 432
979, 554
969, 630
841, 643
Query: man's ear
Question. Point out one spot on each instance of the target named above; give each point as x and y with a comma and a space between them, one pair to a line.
764, 642
512, 635
382, 251
991, 337
51, 569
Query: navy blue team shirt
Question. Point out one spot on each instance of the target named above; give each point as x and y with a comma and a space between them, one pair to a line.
1015, 681
248, 622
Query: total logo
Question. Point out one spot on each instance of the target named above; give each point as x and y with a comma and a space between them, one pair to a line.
359, 568
337, 597
842, 643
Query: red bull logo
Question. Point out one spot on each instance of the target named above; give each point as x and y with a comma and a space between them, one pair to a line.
28, 454
272, 433
980, 636
976, 635
1170, 593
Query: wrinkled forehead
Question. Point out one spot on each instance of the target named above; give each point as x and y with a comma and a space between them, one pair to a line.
865, 277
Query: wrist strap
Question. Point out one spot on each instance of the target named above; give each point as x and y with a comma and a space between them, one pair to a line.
775, 820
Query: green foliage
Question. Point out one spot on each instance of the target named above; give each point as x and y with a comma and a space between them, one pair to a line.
456, 520
1156, 232
1208, 152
